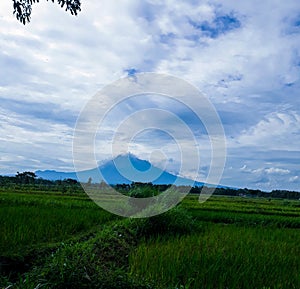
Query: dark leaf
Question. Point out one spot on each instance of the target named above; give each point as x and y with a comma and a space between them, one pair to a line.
23, 9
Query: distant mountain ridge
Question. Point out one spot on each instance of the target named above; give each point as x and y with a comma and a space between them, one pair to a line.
136, 170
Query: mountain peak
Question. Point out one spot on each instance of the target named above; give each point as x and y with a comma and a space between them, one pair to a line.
127, 155
125, 161
123, 169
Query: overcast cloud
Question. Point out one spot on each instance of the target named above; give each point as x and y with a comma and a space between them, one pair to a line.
243, 55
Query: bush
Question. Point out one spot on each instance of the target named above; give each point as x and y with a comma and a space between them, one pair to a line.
100, 262
173, 222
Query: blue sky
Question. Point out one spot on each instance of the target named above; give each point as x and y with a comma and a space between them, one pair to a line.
243, 55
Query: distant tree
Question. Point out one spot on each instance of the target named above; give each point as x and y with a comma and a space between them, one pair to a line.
23, 8
6, 180
70, 181
26, 177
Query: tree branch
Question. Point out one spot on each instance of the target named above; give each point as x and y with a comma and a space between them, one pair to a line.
23, 8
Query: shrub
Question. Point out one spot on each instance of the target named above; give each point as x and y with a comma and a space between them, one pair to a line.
173, 222
100, 262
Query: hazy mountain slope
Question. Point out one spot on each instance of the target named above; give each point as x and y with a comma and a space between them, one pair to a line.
123, 169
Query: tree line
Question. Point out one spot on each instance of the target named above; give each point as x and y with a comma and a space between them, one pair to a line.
28, 181
249, 193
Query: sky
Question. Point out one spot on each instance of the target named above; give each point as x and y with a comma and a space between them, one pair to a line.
244, 56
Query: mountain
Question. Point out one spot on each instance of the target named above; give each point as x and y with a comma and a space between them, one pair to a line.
130, 169
53, 175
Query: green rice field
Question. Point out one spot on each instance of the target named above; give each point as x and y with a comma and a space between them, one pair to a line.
54, 240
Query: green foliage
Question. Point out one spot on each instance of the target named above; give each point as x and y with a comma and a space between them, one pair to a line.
25, 177
100, 262
141, 190
173, 222
28, 183
248, 193
23, 8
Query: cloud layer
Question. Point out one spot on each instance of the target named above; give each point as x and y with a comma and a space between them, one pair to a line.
243, 55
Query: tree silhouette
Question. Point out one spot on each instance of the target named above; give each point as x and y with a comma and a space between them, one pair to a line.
25, 177
23, 8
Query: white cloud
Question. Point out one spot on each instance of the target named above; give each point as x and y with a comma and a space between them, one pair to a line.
269, 171
294, 179
273, 131
277, 171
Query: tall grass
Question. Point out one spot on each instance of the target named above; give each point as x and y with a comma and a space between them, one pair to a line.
223, 256
29, 221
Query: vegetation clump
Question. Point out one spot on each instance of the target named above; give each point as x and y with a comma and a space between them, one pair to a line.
102, 261
176, 221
